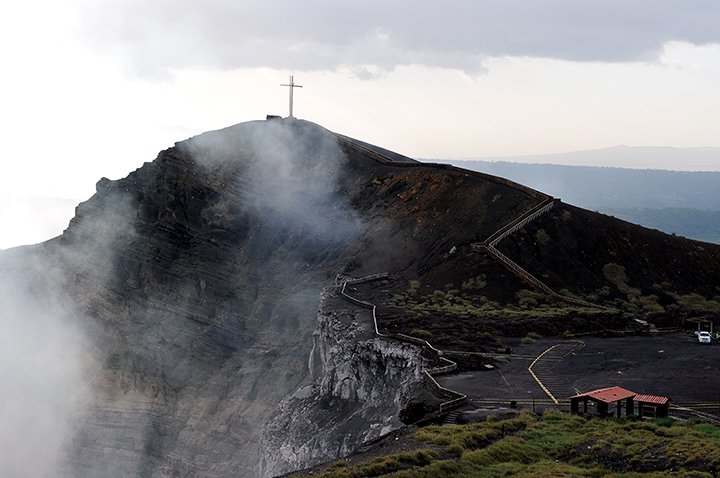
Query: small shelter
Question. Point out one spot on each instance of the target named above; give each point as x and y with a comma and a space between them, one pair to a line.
652, 406
702, 324
608, 401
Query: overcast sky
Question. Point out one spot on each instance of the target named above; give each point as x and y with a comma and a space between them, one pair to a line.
95, 88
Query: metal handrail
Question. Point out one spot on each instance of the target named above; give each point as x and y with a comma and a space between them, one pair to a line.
451, 365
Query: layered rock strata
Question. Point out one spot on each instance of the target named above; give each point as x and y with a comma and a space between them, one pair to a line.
365, 383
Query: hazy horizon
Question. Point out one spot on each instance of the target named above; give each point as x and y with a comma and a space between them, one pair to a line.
705, 158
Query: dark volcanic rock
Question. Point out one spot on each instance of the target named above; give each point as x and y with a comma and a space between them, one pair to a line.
182, 300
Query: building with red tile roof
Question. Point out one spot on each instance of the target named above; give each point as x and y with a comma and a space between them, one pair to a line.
611, 401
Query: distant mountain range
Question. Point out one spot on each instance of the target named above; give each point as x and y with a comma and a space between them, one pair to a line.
686, 203
636, 157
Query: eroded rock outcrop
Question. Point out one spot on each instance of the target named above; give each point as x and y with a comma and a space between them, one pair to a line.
366, 382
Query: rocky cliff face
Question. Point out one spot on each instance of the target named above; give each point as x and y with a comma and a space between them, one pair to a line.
364, 385
195, 281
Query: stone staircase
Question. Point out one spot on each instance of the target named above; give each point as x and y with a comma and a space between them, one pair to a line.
451, 418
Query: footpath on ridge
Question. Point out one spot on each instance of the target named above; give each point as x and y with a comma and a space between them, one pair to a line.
546, 203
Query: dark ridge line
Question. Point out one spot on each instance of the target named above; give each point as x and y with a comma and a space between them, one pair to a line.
354, 144
390, 155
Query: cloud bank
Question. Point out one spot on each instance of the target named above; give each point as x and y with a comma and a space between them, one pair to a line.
162, 35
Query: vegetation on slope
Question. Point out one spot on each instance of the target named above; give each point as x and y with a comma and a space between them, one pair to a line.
553, 444
461, 317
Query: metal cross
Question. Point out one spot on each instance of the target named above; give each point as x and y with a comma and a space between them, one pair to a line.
291, 86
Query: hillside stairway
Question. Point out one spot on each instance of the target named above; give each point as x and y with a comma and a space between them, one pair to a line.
488, 246
518, 223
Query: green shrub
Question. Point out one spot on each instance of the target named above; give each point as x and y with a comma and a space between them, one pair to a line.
529, 298
455, 449
697, 302
708, 430
510, 450
413, 287
650, 303
664, 422
615, 274
542, 237
476, 283
421, 334
567, 293
419, 458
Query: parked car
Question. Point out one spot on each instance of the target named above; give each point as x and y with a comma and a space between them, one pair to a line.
704, 337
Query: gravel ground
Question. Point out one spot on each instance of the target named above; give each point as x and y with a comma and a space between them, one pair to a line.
673, 365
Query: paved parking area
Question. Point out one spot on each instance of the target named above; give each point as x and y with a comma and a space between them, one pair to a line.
674, 365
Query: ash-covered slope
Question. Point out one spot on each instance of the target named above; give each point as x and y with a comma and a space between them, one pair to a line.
177, 311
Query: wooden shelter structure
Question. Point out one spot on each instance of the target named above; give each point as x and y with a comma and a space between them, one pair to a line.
652, 406
607, 401
702, 324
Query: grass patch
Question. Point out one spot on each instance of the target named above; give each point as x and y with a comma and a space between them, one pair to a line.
554, 444
471, 436
461, 304
708, 430
382, 466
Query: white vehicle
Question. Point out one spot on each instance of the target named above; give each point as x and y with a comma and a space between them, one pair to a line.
704, 337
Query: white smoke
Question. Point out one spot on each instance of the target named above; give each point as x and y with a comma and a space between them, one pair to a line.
44, 368
289, 172
283, 181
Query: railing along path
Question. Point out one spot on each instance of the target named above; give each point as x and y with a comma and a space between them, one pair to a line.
457, 397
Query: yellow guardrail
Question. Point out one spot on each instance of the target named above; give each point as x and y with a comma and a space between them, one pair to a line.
544, 388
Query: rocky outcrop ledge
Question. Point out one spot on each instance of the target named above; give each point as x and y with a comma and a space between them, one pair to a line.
364, 383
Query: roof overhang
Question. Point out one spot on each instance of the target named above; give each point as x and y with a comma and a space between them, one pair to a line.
607, 395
